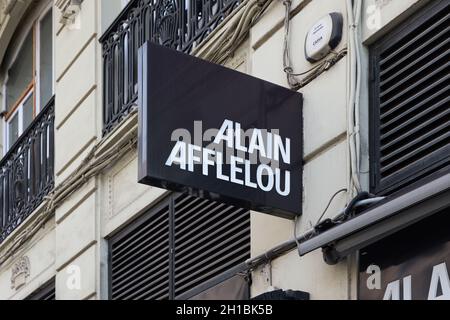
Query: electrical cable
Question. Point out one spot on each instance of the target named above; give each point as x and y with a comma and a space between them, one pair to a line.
329, 204
357, 21
359, 200
320, 218
360, 196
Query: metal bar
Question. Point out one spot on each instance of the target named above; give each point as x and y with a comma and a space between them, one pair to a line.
27, 174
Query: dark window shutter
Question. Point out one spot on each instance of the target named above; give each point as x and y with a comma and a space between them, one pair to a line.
178, 246
410, 100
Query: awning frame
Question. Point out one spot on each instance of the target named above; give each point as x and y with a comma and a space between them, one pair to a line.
382, 220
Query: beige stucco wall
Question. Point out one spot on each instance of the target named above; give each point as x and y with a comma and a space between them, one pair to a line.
73, 242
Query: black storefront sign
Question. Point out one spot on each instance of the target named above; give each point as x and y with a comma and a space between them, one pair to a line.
219, 134
413, 264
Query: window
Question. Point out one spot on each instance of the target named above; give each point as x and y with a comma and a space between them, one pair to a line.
410, 99
178, 249
29, 79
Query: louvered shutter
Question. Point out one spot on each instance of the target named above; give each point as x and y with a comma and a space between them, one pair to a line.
410, 101
176, 247
139, 258
209, 239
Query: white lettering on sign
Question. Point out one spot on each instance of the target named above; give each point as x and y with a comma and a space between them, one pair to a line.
393, 290
267, 145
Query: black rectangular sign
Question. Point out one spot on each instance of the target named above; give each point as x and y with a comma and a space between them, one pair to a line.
219, 134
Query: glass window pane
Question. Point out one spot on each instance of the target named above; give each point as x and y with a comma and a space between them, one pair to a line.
28, 112
46, 59
21, 73
13, 128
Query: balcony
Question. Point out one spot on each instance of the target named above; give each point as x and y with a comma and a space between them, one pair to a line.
178, 24
27, 172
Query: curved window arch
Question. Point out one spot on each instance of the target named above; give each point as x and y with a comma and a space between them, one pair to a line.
28, 80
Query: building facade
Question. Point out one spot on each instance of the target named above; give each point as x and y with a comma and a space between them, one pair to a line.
76, 224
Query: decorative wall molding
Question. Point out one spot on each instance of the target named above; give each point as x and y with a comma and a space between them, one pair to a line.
6, 6
20, 273
69, 10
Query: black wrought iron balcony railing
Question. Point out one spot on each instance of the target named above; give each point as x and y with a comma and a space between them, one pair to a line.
27, 172
178, 24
